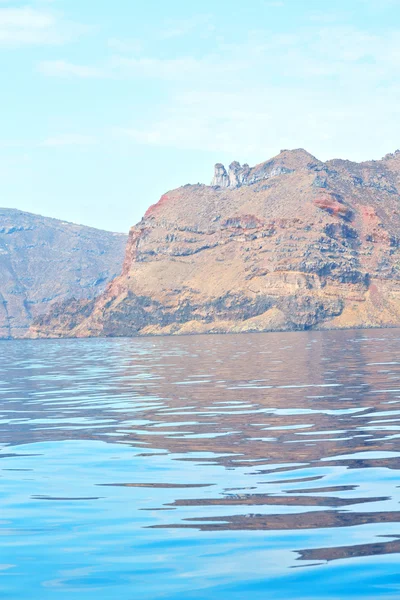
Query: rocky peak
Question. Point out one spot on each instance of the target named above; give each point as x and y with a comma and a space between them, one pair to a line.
234, 177
297, 159
286, 162
238, 175
220, 178
395, 154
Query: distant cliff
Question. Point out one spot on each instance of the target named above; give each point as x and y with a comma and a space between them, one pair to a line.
292, 243
44, 260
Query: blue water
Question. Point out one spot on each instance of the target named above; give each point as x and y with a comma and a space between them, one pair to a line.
241, 467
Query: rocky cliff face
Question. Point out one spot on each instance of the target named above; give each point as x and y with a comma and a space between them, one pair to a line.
43, 261
290, 244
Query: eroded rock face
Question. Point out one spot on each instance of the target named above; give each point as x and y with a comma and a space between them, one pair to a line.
290, 244
221, 178
238, 174
44, 261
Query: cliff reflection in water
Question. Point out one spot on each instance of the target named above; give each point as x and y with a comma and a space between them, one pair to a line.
305, 427
275, 397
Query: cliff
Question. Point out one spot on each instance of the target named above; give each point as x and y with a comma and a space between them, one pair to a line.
292, 243
43, 261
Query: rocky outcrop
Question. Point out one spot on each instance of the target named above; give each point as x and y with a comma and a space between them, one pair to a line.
292, 243
238, 175
44, 261
221, 177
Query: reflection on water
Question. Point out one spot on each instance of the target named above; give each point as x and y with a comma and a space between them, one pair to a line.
201, 467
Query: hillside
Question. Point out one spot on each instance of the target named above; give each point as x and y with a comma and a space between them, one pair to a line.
293, 243
43, 261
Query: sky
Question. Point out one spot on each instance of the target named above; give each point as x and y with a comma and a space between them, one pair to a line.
106, 105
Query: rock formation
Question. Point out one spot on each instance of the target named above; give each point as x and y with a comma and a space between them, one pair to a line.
43, 261
292, 243
221, 178
238, 175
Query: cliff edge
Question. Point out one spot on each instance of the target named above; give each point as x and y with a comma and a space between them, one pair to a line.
290, 244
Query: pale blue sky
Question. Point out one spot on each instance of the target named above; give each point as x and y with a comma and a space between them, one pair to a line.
107, 104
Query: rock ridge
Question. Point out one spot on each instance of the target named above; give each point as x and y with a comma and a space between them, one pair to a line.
293, 243
44, 261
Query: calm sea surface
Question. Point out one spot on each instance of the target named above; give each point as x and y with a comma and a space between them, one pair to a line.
240, 467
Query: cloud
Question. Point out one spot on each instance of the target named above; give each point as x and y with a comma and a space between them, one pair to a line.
315, 52
252, 124
31, 26
238, 122
69, 139
162, 69
125, 45
61, 68
321, 87
158, 68
380, 4
183, 27
326, 83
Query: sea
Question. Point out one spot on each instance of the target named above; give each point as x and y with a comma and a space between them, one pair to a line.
226, 467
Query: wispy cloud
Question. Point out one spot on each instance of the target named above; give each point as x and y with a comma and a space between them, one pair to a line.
62, 68
255, 123
68, 139
275, 4
238, 122
202, 24
162, 69
240, 98
26, 26
125, 46
328, 50
158, 68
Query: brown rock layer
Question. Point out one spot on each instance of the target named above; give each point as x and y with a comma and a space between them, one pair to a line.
293, 243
